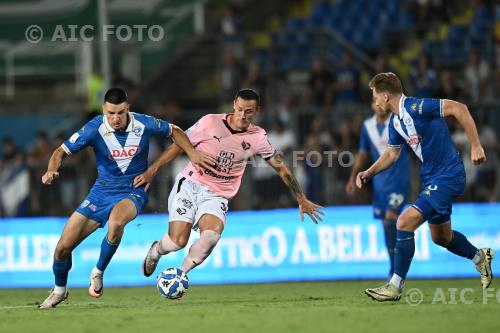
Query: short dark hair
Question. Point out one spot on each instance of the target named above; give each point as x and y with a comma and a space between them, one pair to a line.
115, 96
248, 95
386, 82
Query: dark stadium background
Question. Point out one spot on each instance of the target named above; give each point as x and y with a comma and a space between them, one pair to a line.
310, 60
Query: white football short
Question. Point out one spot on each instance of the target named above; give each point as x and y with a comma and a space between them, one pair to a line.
188, 201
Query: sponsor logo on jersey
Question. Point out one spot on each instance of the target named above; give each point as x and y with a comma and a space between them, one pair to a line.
414, 140
125, 152
420, 107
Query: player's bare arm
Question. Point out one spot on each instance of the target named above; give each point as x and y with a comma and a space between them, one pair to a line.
305, 206
357, 167
198, 158
168, 155
54, 163
388, 158
461, 113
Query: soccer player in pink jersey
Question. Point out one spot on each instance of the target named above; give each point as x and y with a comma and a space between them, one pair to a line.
199, 197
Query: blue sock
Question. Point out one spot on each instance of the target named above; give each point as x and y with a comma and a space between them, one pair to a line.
61, 269
404, 251
390, 240
107, 252
460, 246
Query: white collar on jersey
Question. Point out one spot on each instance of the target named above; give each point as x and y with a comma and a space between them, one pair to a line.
130, 126
402, 106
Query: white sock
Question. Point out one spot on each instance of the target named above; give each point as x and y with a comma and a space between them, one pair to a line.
200, 250
396, 281
59, 290
477, 258
164, 246
96, 270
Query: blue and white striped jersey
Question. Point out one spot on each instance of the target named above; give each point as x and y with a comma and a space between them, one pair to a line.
120, 156
374, 140
420, 124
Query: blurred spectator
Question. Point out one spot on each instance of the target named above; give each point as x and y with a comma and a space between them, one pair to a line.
423, 77
324, 137
120, 81
14, 182
487, 174
477, 72
41, 150
380, 65
230, 26
284, 110
448, 88
95, 94
347, 81
320, 85
256, 81
460, 139
272, 192
313, 169
231, 76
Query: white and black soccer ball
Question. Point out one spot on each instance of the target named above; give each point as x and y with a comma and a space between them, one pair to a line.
172, 283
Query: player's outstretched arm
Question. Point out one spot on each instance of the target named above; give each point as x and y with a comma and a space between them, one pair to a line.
54, 163
357, 167
305, 206
168, 155
198, 158
461, 113
388, 158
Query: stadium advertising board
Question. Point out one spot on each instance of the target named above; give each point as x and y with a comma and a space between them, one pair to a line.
257, 246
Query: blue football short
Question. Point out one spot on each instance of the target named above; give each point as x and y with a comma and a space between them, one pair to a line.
384, 201
435, 200
101, 200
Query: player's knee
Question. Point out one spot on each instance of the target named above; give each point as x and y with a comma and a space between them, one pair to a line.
62, 251
441, 240
403, 223
179, 240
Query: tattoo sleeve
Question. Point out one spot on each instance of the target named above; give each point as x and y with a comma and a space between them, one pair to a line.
287, 176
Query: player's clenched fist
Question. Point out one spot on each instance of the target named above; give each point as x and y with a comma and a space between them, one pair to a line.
362, 178
477, 155
49, 177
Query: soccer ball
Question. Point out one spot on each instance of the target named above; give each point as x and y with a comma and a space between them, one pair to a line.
172, 283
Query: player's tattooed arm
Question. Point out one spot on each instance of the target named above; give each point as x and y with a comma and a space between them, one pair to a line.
286, 175
305, 206
54, 163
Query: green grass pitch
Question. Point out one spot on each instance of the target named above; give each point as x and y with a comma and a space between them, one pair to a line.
333, 306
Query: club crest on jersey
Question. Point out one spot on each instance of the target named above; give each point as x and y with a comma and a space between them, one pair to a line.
125, 152
137, 131
245, 145
408, 122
